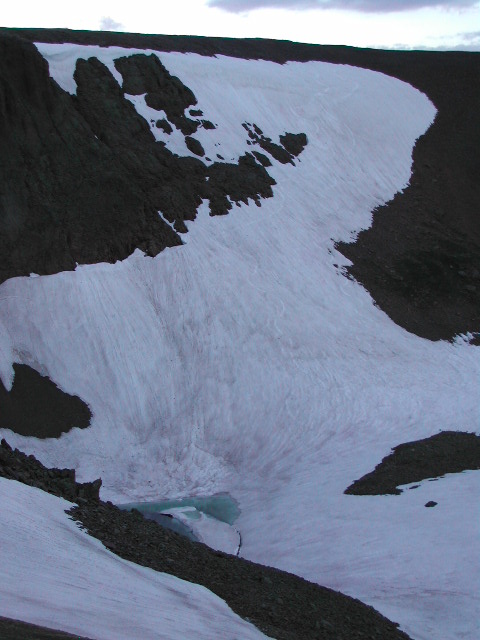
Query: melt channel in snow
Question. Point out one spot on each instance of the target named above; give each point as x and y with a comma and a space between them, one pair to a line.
245, 362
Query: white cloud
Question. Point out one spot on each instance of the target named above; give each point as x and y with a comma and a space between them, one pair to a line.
109, 24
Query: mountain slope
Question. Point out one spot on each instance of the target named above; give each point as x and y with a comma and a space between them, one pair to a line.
412, 280
281, 605
243, 360
47, 579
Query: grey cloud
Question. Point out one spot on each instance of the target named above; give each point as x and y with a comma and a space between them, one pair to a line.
469, 47
471, 37
109, 24
366, 6
468, 41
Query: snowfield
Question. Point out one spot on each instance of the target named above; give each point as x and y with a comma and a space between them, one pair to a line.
245, 362
68, 580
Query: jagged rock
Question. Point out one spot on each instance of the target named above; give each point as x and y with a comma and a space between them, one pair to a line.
164, 125
275, 150
294, 143
144, 74
194, 146
56, 141
262, 158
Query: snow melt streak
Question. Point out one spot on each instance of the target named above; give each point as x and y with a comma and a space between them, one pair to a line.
246, 362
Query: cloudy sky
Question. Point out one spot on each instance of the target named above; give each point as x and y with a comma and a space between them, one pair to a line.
403, 24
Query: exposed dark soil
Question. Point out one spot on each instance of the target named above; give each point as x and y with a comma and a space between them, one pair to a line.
36, 406
445, 452
420, 260
280, 604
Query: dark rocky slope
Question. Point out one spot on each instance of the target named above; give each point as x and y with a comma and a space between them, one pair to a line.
56, 170
16, 465
36, 406
420, 260
280, 604
16, 630
445, 452
84, 180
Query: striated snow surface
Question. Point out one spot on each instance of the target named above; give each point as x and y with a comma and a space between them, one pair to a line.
245, 362
56, 575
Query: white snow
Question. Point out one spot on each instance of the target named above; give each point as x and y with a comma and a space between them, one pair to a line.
245, 362
54, 574
217, 534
